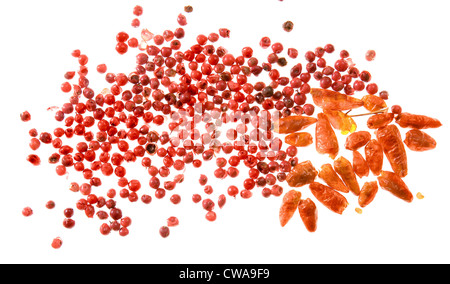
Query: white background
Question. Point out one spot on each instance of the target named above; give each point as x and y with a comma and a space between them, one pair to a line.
412, 63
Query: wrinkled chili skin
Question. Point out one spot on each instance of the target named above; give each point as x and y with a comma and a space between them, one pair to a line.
368, 193
374, 156
326, 140
393, 183
332, 179
345, 169
289, 206
308, 213
328, 99
373, 103
357, 140
360, 166
299, 139
379, 120
303, 173
417, 121
293, 123
394, 149
329, 197
419, 141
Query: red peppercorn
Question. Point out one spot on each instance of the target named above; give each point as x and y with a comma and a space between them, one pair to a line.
27, 211
164, 231
57, 243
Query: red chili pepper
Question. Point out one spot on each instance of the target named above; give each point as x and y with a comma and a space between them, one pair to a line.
289, 206
308, 213
326, 140
374, 156
299, 139
360, 166
332, 100
303, 173
332, 199
408, 120
344, 168
294, 123
417, 140
393, 183
331, 178
380, 120
368, 192
391, 141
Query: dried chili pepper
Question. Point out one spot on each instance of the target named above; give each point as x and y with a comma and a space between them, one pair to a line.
368, 192
417, 140
299, 139
332, 179
308, 213
373, 103
391, 141
393, 183
328, 99
374, 156
357, 140
303, 173
326, 140
345, 170
340, 121
329, 197
289, 205
380, 120
293, 123
408, 120
360, 166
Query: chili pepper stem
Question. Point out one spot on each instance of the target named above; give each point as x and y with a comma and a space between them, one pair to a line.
369, 113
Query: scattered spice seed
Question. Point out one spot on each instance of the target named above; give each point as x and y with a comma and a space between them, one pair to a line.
370, 55
419, 195
27, 211
288, 26
57, 243
164, 231
188, 9
358, 210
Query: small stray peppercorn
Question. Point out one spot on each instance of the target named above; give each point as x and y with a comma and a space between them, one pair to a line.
164, 231
288, 26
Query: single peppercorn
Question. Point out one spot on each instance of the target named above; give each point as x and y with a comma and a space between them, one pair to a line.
288, 26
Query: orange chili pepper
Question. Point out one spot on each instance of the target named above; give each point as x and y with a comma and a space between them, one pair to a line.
417, 140
308, 213
329, 197
326, 140
328, 99
393, 183
299, 139
373, 103
380, 120
408, 120
340, 121
391, 141
345, 170
357, 140
360, 166
368, 192
374, 156
331, 178
301, 174
293, 123
289, 206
